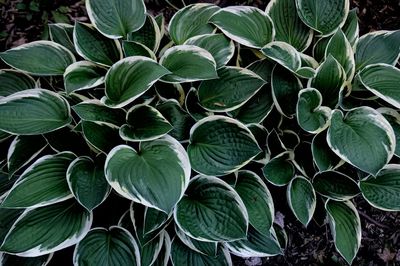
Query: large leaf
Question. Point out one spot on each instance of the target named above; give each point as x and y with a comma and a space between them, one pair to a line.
323, 16
257, 199
129, 78
335, 185
102, 137
383, 191
93, 46
220, 47
193, 107
302, 199
14, 81
393, 117
378, 47
288, 26
211, 211
44, 58
87, 182
220, 145
33, 112
345, 227
43, 183
95, 111
7, 219
206, 248
83, 75
190, 21
382, 80
156, 176
113, 18
351, 28
234, 87
150, 251
311, 116
12, 260
246, 25
284, 54
50, 228
134, 48
362, 138
100, 246
144, 123
188, 63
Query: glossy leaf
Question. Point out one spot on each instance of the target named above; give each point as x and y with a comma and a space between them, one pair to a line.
323, 156
62, 33
134, 48
95, 111
14, 81
103, 137
149, 34
302, 199
335, 185
83, 75
279, 170
284, 54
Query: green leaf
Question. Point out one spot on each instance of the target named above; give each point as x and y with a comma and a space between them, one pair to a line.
288, 26
22, 151
263, 68
156, 176
220, 47
285, 88
5, 184
93, 46
164, 254
62, 33
182, 26
378, 47
302, 199
393, 118
103, 137
14, 81
323, 16
193, 106
11, 260
43, 183
279, 171
362, 138
134, 48
113, 18
150, 251
51, 228
7, 219
153, 220
144, 123
351, 27
188, 63
311, 116
382, 80
33, 112
383, 191
42, 58
257, 199
329, 80
100, 246
335, 185
211, 210
83, 75
149, 34
246, 25
345, 227
284, 54
206, 248
323, 156
181, 255
234, 87
129, 78
87, 182
95, 111
220, 145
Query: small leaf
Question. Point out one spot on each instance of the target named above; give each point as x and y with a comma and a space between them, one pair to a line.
211, 210
48, 229
33, 112
302, 199
134, 48
193, 106
181, 26
351, 27
188, 63
103, 137
284, 54
279, 171
14, 81
246, 25
42, 58
87, 182
62, 33
156, 176
83, 75
362, 138
220, 145
335, 185
149, 34
393, 118
100, 246
113, 18
206, 248
323, 16
153, 220
345, 227
93, 46
234, 87
383, 191
311, 116
323, 156
144, 123
43, 183
95, 111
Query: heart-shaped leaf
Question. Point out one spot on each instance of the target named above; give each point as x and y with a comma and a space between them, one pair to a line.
83, 75
335, 185
43, 58
362, 138
100, 246
156, 176
279, 171
211, 211
220, 145
14, 81
302, 199
113, 18
246, 25
33, 112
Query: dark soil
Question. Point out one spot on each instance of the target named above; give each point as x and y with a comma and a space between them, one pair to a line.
23, 21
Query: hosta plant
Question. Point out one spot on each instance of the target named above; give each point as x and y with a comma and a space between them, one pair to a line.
186, 125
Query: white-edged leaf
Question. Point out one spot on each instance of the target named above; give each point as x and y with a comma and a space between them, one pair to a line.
203, 247
279, 170
13, 81
83, 75
284, 54
302, 199
149, 34
335, 185
95, 111
61, 33
393, 117
12, 260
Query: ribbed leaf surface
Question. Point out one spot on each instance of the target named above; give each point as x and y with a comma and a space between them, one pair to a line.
302, 199
14, 81
335, 185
